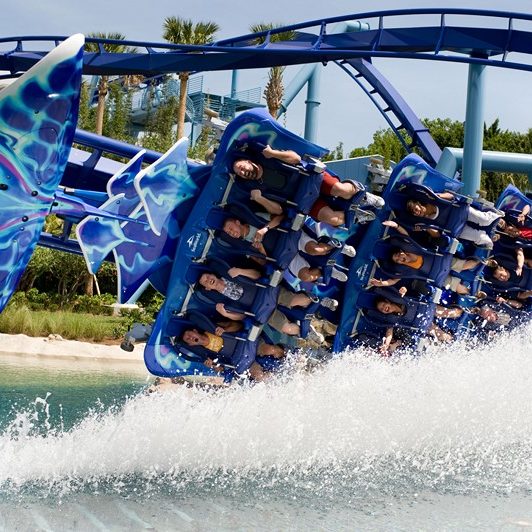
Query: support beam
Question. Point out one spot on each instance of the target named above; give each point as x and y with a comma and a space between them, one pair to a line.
474, 129
452, 160
234, 83
312, 105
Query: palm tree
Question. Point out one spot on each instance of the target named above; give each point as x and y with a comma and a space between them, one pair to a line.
274, 90
103, 83
182, 31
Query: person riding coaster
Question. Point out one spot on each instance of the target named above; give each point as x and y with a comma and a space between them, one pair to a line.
509, 273
430, 211
263, 244
303, 270
236, 292
219, 350
316, 248
331, 187
414, 262
391, 308
517, 227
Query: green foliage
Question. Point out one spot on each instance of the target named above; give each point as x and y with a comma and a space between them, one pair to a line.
108, 47
63, 271
450, 133
275, 36
204, 143
159, 135
274, 90
117, 117
87, 113
84, 318
446, 132
19, 319
336, 154
184, 31
384, 143
151, 301
100, 305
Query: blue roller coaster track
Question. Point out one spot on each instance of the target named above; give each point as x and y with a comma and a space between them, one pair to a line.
487, 38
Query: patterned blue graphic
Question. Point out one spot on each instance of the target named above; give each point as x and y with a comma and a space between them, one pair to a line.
122, 184
165, 184
38, 115
138, 251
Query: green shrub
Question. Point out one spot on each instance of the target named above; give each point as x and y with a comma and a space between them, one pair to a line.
74, 326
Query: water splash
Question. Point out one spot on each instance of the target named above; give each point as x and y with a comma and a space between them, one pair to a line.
457, 420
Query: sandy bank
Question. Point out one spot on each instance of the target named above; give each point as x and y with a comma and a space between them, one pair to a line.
20, 345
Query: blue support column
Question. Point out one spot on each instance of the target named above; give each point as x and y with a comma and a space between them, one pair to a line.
234, 83
474, 129
312, 102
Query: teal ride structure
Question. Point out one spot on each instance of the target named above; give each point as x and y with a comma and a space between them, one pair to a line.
406, 256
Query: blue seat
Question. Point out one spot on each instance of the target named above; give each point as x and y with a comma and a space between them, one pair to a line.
350, 206
435, 267
280, 244
238, 351
282, 182
419, 314
515, 282
413, 169
166, 356
506, 242
258, 301
452, 215
331, 258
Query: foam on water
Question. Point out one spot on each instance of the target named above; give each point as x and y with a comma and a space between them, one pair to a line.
456, 420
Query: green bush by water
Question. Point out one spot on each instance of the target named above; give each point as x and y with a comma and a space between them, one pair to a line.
83, 318
73, 326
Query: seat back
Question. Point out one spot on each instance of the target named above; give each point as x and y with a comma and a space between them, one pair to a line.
452, 215
435, 267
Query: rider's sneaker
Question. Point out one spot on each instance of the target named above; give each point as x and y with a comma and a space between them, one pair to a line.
364, 217
339, 276
349, 251
371, 200
329, 303
314, 336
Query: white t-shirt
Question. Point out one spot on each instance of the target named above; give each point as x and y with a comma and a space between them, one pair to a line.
298, 262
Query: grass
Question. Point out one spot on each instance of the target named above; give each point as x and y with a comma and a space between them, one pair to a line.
73, 326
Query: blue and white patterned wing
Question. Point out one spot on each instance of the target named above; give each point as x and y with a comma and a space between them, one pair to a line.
135, 263
165, 184
122, 184
38, 115
97, 237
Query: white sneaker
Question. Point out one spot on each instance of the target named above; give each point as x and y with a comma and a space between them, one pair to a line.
364, 217
349, 251
372, 200
339, 276
329, 303
314, 336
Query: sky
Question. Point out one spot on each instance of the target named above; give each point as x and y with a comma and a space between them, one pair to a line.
432, 89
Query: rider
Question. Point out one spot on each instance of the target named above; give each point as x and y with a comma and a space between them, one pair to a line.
330, 186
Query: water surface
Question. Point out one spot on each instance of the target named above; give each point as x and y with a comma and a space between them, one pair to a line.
443, 442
